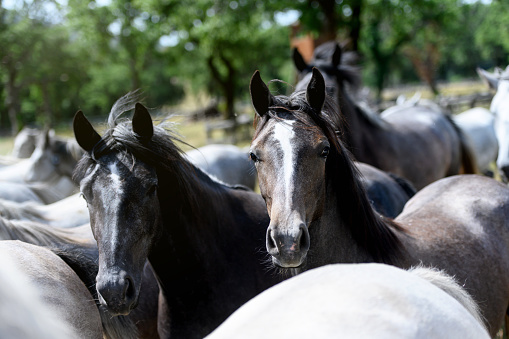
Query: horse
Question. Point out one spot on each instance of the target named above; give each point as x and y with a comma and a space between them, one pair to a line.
68, 212
479, 125
41, 297
499, 81
14, 171
359, 301
38, 192
320, 214
227, 163
24, 143
476, 123
53, 157
418, 143
78, 248
202, 238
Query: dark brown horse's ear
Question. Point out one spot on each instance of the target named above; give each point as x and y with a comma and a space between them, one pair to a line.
260, 95
298, 60
85, 134
315, 92
336, 57
142, 122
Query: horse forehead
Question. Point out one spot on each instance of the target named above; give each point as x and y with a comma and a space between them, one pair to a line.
291, 136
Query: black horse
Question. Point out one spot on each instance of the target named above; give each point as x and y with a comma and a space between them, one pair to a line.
203, 239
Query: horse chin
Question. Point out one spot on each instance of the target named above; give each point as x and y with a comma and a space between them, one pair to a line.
289, 268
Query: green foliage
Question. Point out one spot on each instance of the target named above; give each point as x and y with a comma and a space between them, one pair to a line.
56, 59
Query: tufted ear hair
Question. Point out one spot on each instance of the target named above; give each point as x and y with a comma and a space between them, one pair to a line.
490, 79
142, 122
261, 97
336, 57
85, 134
315, 92
298, 60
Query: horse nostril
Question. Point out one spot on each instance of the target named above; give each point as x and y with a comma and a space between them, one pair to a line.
304, 241
271, 243
129, 290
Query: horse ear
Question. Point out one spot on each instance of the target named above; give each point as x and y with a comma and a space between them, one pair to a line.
488, 78
315, 92
336, 57
85, 134
260, 95
142, 122
298, 60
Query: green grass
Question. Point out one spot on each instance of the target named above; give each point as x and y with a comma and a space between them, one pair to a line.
6, 144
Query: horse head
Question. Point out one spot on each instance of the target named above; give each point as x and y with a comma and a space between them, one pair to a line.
285, 140
53, 157
121, 193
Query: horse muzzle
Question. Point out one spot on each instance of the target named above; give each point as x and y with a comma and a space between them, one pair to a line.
288, 249
118, 293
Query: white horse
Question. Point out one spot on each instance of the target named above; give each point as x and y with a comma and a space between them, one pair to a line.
69, 212
42, 298
228, 163
24, 143
479, 125
359, 301
500, 108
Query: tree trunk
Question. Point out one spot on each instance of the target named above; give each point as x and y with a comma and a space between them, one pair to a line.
12, 101
46, 99
355, 24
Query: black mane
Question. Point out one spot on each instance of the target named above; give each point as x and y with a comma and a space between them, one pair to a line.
160, 152
372, 232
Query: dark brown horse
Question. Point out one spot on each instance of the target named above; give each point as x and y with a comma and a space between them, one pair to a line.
416, 143
320, 213
202, 238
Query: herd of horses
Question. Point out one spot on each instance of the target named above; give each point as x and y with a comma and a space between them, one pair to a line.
367, 224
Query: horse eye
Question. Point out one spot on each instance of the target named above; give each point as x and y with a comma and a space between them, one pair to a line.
152, 190
254, 157
84, 198
325, 152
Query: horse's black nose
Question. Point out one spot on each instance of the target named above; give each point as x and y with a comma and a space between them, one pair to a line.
288, 248
117, 293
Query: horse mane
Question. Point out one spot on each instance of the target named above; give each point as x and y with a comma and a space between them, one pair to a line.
160, 152
20, 211
46, 191
36, 233
346, 70
374, 233
449, 285
346, 73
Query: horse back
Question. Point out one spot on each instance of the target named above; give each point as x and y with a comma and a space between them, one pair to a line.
461, 224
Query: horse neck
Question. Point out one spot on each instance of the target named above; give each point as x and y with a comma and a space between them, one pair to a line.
331, 239
200, 253
349, 230
360, 133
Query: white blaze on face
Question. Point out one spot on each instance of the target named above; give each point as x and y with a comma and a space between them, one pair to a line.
116, 190
283, 133
115, 177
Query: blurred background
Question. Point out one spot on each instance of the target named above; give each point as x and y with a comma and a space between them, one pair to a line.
194, 59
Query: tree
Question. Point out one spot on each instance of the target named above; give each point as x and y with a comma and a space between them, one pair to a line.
229, 39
